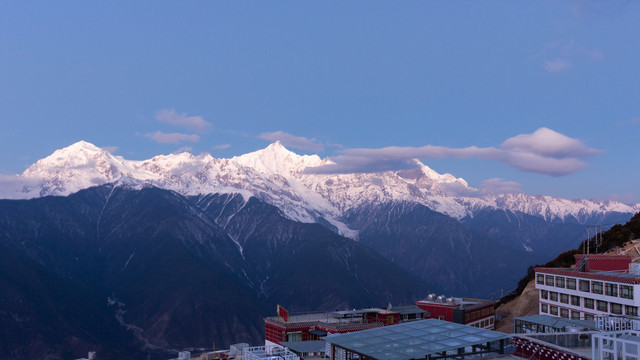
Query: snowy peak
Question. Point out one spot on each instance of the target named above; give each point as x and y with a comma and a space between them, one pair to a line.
276, 175
70, 169
77, 159
276, 159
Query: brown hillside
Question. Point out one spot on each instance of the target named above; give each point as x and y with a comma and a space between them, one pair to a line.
524, 305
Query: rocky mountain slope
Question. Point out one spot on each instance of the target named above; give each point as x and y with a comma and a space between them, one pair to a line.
523, 301
133, 271
409, 208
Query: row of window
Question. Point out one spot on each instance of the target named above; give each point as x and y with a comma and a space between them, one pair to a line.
565, 313
483, 323
595, 287
472, 315
587, 303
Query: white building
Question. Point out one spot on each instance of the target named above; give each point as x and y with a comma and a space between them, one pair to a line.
599, 285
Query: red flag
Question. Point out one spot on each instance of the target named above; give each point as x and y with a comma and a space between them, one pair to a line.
283, 313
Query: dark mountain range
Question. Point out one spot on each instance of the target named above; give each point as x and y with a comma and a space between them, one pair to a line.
600, 243
435, 247
129, 272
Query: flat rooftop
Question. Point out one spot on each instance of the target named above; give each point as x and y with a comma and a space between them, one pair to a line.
414, 340
355, 316
557, 322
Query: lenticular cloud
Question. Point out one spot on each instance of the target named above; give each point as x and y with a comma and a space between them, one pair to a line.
544, 151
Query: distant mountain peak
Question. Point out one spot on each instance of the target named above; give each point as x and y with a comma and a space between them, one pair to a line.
277, 159
276, 175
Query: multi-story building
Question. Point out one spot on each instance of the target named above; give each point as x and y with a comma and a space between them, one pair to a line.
313, 326
597, 285
473, 312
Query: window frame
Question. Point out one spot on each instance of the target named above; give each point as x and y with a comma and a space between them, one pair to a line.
617, 307
585, 285
589, 303
604, 308
597, 287
575, 300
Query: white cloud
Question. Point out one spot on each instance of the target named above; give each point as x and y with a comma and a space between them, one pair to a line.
222, 146
547, 142
111, 149
183, 149
499, 186
544, 151
562, 55
627, 198
293, 141
171, 138
192, 123
558, 65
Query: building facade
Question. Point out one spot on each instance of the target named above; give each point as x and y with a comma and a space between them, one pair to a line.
472, 312
598, 285
313, 326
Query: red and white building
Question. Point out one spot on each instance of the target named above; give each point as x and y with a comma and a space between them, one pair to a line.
598, 285
313, 326
472, 312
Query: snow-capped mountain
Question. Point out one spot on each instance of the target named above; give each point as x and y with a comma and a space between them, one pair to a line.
277, 176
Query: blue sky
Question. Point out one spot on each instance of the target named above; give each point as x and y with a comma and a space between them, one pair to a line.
367, 83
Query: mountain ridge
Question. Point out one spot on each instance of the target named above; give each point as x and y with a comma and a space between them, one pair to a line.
277, 176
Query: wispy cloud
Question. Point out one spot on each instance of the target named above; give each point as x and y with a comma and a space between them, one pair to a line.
183, 149
171, 138
222, 146
293, 141
192, 123
562, 55
544, 151
628, 198
499, 186
111, 149
558, 65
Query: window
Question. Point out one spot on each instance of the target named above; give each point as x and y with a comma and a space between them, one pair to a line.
540, 280
544, 294
588, 316
441, 317
553, 296
564, 313
616, 309
549, 280
626, 292
571, 284
631, 310
294, 336
596, 287
588, 303
544, 308
584, 285
559, 281
490, 320
575, 300
564, 298
553, 310
603, 306
575, 315
611, 289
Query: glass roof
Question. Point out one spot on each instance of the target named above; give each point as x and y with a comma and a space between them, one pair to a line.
413, 340
556, 322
